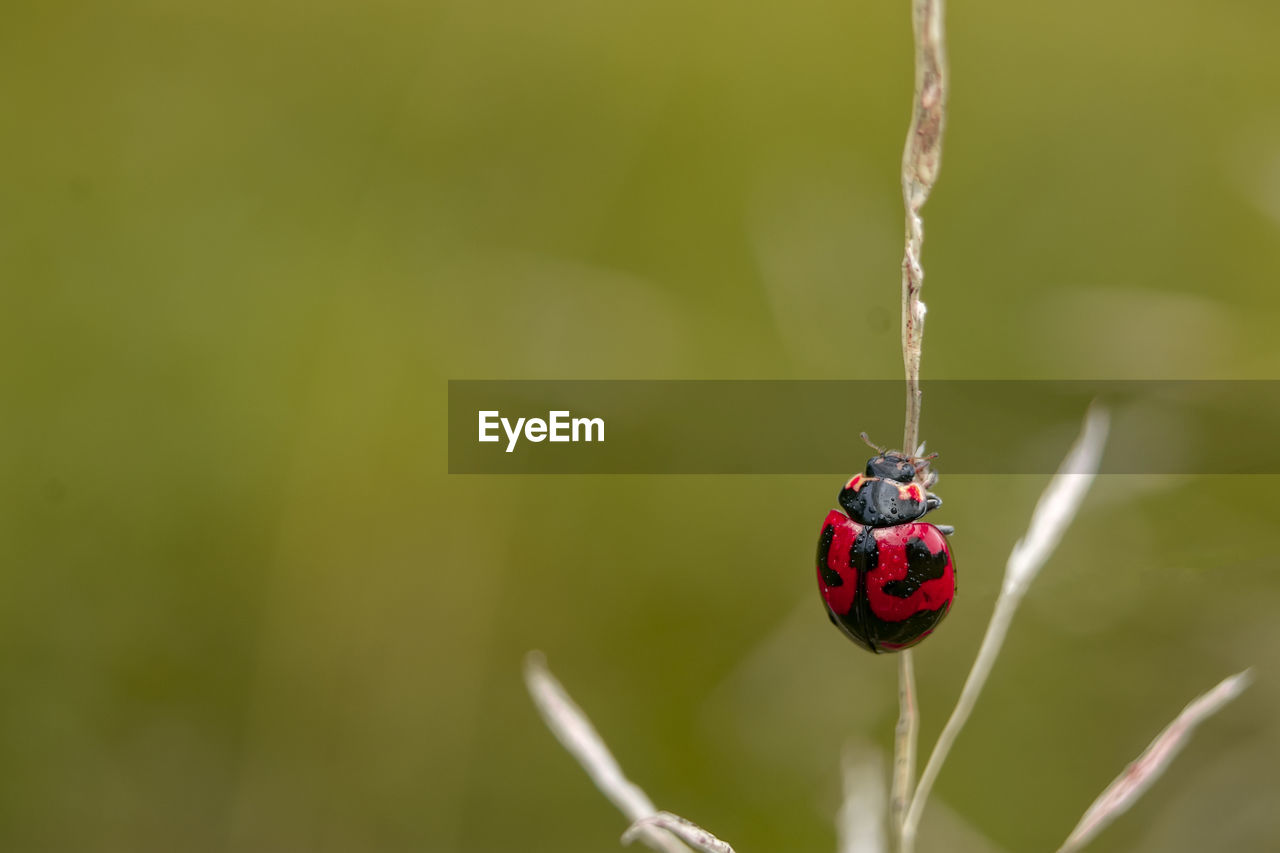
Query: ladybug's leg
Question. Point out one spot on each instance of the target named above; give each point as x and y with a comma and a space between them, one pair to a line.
931, 501
947, 529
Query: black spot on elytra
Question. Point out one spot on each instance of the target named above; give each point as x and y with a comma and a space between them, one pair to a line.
864, 556
829, 577
906, 632
865, 553
922, 565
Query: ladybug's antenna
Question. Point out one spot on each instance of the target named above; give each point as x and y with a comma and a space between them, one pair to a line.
877, 448
922, 462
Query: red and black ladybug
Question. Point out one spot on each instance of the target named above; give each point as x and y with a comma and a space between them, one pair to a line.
886, 577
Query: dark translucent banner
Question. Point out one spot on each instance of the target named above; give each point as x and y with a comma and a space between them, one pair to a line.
812, 427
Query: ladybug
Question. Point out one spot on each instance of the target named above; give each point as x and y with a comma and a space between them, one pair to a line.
886, 577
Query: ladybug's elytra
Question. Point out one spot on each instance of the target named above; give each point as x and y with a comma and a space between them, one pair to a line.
886, 577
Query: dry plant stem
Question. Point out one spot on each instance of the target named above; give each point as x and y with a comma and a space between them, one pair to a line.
904, 746
1147, 767
920, 160
576, 734
1053, 513
921, 157
686, 830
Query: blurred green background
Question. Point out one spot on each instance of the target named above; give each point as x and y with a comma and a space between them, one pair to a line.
244, 245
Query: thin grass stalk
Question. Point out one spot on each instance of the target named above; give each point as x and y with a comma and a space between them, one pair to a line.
579, 737
686, 830
1143, 771
906, 735
1053, 513
921, 157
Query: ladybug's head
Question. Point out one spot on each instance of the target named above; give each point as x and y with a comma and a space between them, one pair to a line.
892, 465
893, 490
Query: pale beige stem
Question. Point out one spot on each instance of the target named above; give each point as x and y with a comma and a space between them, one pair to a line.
904, 745
577, 735
921, 157
1053, 514
1133, 782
